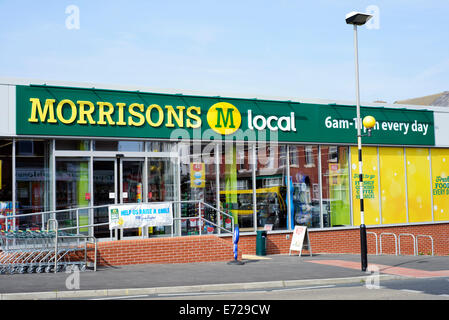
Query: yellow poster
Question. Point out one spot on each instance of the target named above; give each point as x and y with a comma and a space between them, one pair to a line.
370, 185
440, 183
197, 175
392, 185
418, 185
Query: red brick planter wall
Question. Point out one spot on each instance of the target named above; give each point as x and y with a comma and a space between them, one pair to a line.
214, 248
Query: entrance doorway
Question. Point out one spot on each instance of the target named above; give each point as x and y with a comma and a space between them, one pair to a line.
123, 180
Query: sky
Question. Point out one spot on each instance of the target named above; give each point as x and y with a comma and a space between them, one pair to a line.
284, 48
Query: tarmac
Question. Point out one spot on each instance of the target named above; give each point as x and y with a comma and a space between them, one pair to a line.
273, 271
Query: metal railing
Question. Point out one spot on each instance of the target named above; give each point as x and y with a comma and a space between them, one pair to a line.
55, 216
201, 219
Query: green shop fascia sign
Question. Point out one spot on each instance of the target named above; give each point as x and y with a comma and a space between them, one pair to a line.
64, 111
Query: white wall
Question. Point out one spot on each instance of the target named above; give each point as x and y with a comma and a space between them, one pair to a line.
7, 110
441, 129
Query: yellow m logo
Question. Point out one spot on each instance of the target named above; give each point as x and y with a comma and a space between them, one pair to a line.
224, 118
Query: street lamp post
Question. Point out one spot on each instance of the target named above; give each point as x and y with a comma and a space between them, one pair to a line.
358, 19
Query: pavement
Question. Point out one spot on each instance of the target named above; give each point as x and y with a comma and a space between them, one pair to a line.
273, 271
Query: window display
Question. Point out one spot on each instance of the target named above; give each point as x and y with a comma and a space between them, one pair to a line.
198, 182
253, 191
440, 184
271, 186
32, 182
419, 199
335, 186
72, 191
370, 186
236, 185
305, 184
392, 182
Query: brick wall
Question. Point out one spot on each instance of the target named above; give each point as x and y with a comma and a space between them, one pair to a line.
164, 250
213, 248
348, 240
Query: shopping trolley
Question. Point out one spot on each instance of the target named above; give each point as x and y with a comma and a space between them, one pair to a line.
42, 251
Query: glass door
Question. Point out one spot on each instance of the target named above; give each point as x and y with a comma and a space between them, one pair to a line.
162, 180
131, 187
72, 192
104, 193
124, 180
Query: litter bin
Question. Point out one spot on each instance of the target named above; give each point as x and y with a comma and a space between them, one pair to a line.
261, 243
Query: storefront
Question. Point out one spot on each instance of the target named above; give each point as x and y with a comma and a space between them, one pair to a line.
281, 163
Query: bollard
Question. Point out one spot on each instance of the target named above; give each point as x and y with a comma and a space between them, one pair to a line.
235, 239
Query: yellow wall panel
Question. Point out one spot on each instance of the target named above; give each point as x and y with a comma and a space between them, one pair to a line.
370, 185
440, 183
418, 185
392, 185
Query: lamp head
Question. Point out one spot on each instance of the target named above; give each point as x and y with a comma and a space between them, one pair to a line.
369, 122
357, 18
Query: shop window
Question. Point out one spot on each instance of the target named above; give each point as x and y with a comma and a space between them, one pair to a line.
198, 182
305, 192
6, 203
236, 185
81, 145
72, 191
113, 145
418, 185
158, 146
32, 182
370, 186
335, 186
25, 148
392, 185
271, 190
440, 184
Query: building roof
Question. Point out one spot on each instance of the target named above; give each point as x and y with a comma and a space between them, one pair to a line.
439, 99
